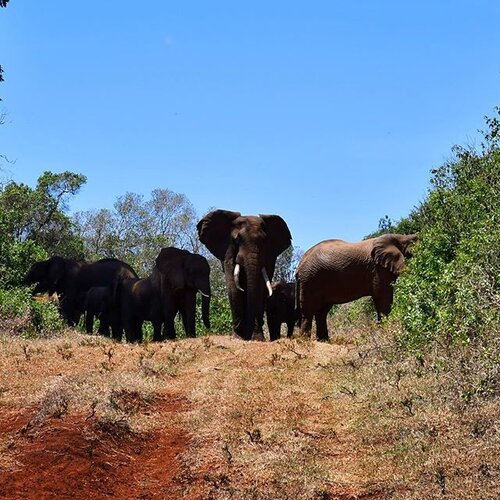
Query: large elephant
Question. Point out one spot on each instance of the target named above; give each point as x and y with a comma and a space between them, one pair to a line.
170, 289
98, 303
280, 308
71, 279
248, 247
335, 272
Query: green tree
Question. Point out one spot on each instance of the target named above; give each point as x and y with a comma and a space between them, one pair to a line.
34, 224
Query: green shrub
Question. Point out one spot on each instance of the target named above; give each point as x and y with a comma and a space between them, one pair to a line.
21, 314
450, 288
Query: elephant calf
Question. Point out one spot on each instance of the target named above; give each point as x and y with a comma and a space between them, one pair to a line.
280, 308
98, 303
335, 272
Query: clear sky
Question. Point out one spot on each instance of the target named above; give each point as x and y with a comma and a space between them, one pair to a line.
329, 113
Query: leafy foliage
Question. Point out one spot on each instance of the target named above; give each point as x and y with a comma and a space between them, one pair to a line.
137, 229
451, 287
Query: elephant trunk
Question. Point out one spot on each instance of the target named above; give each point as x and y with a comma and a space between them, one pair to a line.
254, 298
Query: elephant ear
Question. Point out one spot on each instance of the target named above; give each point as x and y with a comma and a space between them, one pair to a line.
56, 270
214, 231
170, 262
386, 254
277, 232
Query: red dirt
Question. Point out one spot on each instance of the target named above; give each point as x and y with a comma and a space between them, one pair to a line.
72, 457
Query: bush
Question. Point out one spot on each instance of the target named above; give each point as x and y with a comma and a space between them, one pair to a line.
20, 314
450, 288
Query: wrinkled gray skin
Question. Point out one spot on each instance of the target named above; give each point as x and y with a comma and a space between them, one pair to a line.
71, 279
336, 272
280, 308
250, 244
98, 303
171, 289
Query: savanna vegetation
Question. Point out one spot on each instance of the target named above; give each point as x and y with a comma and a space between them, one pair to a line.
403, 409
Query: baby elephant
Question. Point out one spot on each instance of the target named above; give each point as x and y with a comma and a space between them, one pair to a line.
98, 303
280, 308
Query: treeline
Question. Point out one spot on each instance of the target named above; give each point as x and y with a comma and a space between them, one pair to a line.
35, 225
449, 292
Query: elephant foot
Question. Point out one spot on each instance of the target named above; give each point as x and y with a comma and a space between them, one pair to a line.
258, 336
236, 336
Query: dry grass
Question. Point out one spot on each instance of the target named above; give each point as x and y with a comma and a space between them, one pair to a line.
291, 419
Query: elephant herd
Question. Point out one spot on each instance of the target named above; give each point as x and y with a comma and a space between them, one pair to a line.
331, 272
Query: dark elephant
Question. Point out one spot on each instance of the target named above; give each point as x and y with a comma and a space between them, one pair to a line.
71, 279
139, 300
248, 247
182, 274
280, 308
98, 303
335, 272
170, 289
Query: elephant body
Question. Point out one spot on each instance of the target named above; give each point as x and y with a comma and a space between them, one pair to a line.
170, 289
139, 300
247, 247
71, 278
336, 272
280, 308
98, 303
182, 274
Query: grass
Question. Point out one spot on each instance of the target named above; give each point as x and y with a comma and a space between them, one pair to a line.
354, 418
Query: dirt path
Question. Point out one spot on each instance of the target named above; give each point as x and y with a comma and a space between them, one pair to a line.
73, 457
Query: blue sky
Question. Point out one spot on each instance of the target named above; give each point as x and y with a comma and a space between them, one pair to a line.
328, 113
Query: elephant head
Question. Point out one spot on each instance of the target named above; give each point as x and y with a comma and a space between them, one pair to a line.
48, 275
186, 270
391, 250
248, 247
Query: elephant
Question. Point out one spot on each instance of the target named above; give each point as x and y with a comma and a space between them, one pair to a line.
247, 247
98, 302
336, 272
170, 289
71, 278
280, 308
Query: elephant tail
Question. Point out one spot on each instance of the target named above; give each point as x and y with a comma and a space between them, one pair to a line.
298, 314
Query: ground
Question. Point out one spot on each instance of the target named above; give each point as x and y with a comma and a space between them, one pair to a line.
215, 417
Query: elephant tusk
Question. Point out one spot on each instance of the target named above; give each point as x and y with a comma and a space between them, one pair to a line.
268, 282
237, 277
204, 294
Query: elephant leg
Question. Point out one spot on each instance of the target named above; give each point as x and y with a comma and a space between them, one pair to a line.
170, 325
237, 313
258, 333
321, 324
306, 326
104, 324
157, 331
133, 330
188, 310
89, 321
273, 326
383, 302
290, 325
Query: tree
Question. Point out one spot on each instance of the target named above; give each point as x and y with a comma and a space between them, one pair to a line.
286, 263
136, 229
33, 223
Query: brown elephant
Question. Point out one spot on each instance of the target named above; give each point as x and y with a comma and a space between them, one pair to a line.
248, 247
280, 308
335, 272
